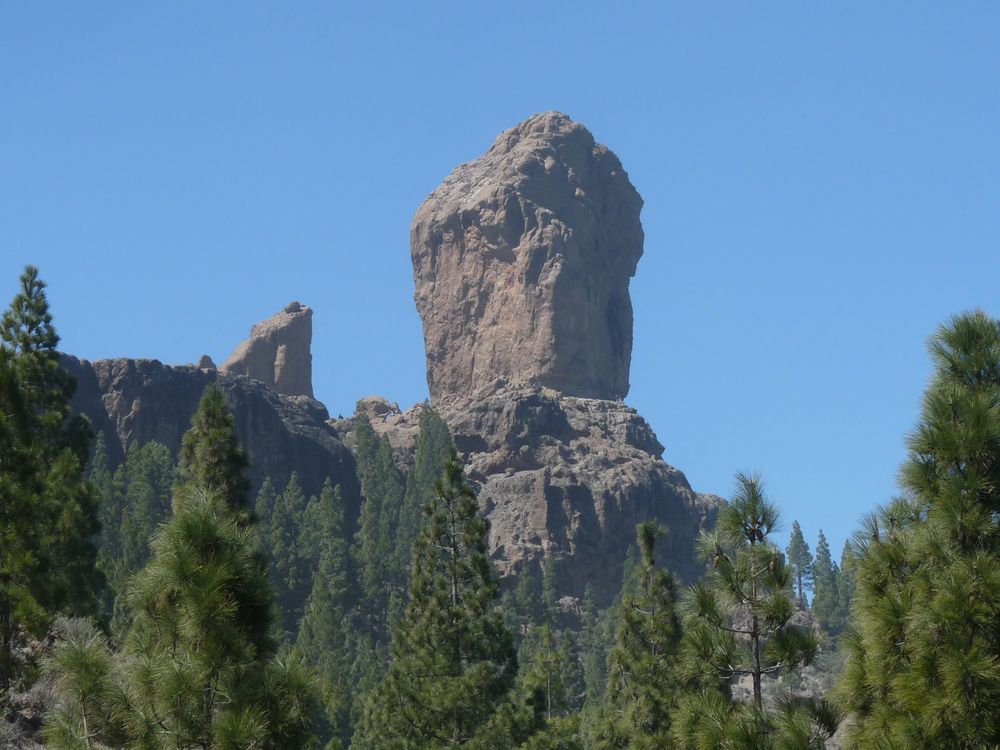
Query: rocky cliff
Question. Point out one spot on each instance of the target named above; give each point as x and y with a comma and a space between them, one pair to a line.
522, 260
278, 352
138, 400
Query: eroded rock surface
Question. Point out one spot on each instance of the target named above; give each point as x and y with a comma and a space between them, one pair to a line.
138, 400
571, 478
278, 352
522, 260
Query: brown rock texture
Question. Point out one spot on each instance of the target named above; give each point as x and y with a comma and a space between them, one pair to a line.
138, 400
522, 260
278, 352
571, 478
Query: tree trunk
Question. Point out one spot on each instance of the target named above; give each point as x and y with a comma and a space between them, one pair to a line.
758, 697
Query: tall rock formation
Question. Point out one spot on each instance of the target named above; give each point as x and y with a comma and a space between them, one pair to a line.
522, 260
278, 352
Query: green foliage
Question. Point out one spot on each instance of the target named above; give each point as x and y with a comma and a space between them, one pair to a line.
21, 519
643, 678
594, 645
738, 623
198, 668
923, 663
433, 452
560, 733
325, 639
211, 455
826, 587
550, 590
800, 560
375, 542
527, 598
48, 511
453, 661
550, 675
291, 572
265, 505
708, 720
133, 502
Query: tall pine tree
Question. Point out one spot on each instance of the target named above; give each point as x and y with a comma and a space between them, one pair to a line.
826, 588
48, 510
644, 681
453, 661
800, 560
923, 666
211, 455
739, 625
325, 637
198, 669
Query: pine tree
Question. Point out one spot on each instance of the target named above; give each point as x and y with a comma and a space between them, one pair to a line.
453, 661
550, 683
550, 670
826, 588
375, 541
198, 668
324, 642
527, 598
140, 496
594, 651
738, 624
325, 637
845, 584
433, 451
550, 590
21, 520
323, 521
643, 681
290, 568
923, 664
211, 455
800, 560
263, 508
149, 478
48, 511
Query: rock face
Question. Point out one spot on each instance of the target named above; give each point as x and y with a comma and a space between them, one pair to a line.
278, 352
522, 260
571, 478
138, 400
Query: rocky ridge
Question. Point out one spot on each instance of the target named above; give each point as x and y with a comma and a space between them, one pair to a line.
133, 401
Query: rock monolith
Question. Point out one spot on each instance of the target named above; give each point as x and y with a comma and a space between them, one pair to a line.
522, 260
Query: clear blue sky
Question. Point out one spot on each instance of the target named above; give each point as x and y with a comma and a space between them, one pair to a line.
822, 187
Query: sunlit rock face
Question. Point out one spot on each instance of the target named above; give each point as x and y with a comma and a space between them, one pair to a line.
522, 260
278, 352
